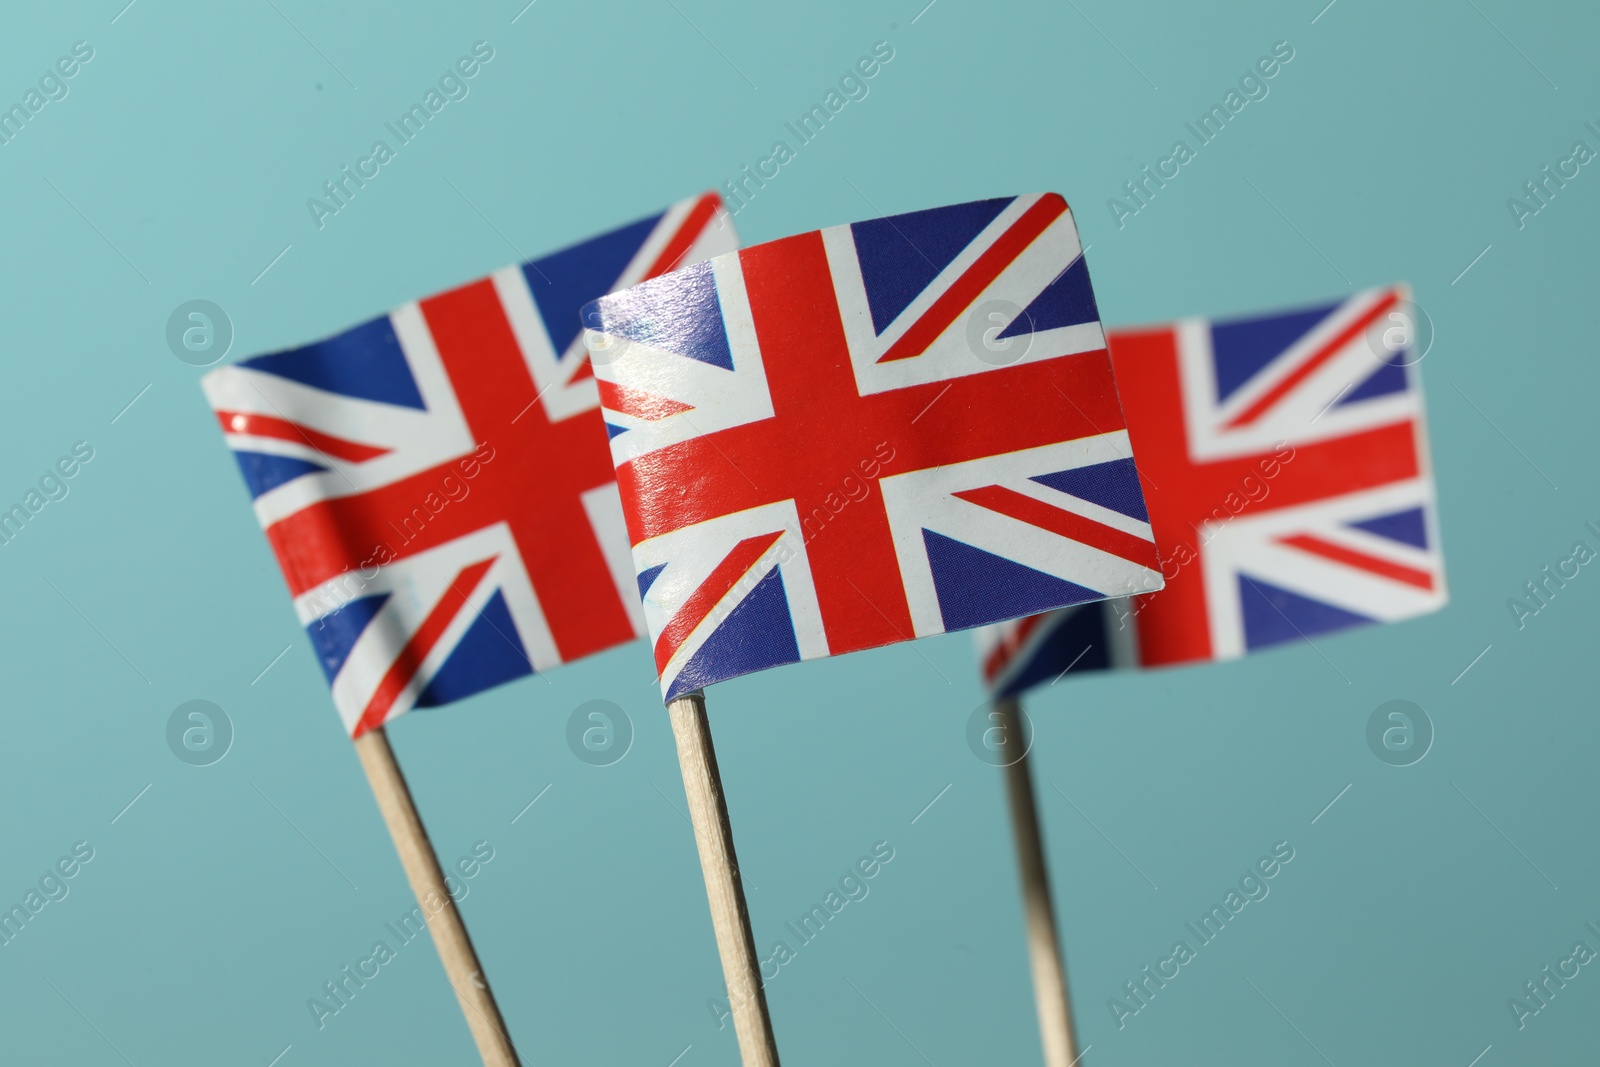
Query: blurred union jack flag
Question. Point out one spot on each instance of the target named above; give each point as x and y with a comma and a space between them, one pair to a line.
867, 434
435, 483
1285, 463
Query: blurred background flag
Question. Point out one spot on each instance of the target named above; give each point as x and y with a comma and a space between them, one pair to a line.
435, 483
853, 437
436, 486
1285, 464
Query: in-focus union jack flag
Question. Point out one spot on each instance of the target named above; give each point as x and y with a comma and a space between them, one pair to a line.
1285, 462
868, 434
436, 485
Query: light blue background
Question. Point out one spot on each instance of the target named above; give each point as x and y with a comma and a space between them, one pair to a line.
185, 153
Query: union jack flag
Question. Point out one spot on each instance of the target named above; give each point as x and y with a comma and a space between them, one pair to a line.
867, 434
435, 483
1285, 462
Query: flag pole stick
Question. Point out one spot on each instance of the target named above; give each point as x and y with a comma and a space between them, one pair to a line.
713, 836
1044, 945
427, 880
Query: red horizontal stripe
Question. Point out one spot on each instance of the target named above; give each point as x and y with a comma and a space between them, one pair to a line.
1065, 523
405, 666
1360, 560
703, 600
1317, 359
254, 425
977, 278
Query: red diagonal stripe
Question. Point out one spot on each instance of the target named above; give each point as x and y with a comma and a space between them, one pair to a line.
1317, 359
405, 666
1011, 641
639, 404
684, 239
717, 585
677, 247
255, 425
1065, 523
977, 278
1350, 557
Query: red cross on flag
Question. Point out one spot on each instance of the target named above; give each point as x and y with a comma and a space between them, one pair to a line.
435, 482
867, 434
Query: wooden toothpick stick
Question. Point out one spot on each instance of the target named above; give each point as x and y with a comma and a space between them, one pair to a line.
713, 836
1044, 945
427, 882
